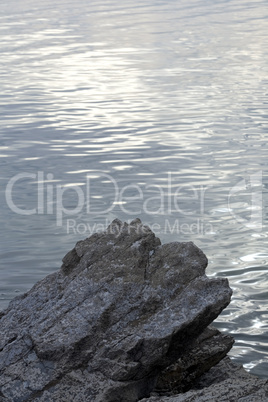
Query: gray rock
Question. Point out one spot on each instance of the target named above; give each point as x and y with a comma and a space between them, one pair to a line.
226, 382
204, 352
121, 309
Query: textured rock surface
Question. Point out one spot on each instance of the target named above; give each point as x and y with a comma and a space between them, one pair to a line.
205, 352
122, 308
226, 382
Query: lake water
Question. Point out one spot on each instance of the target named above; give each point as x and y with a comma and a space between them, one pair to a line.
150, 109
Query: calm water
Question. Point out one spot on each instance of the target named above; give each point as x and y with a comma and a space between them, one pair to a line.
155, 109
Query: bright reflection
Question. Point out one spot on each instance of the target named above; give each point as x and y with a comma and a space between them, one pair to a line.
253, 257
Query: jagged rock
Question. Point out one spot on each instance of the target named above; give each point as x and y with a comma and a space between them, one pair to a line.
121, 309
226, 382
206, 351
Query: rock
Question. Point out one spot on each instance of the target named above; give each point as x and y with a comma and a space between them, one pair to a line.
225, 382
205, 352
121, 310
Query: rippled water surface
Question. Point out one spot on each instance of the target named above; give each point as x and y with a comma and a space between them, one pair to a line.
155, 109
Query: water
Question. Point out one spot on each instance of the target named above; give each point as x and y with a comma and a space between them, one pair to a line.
149, 109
